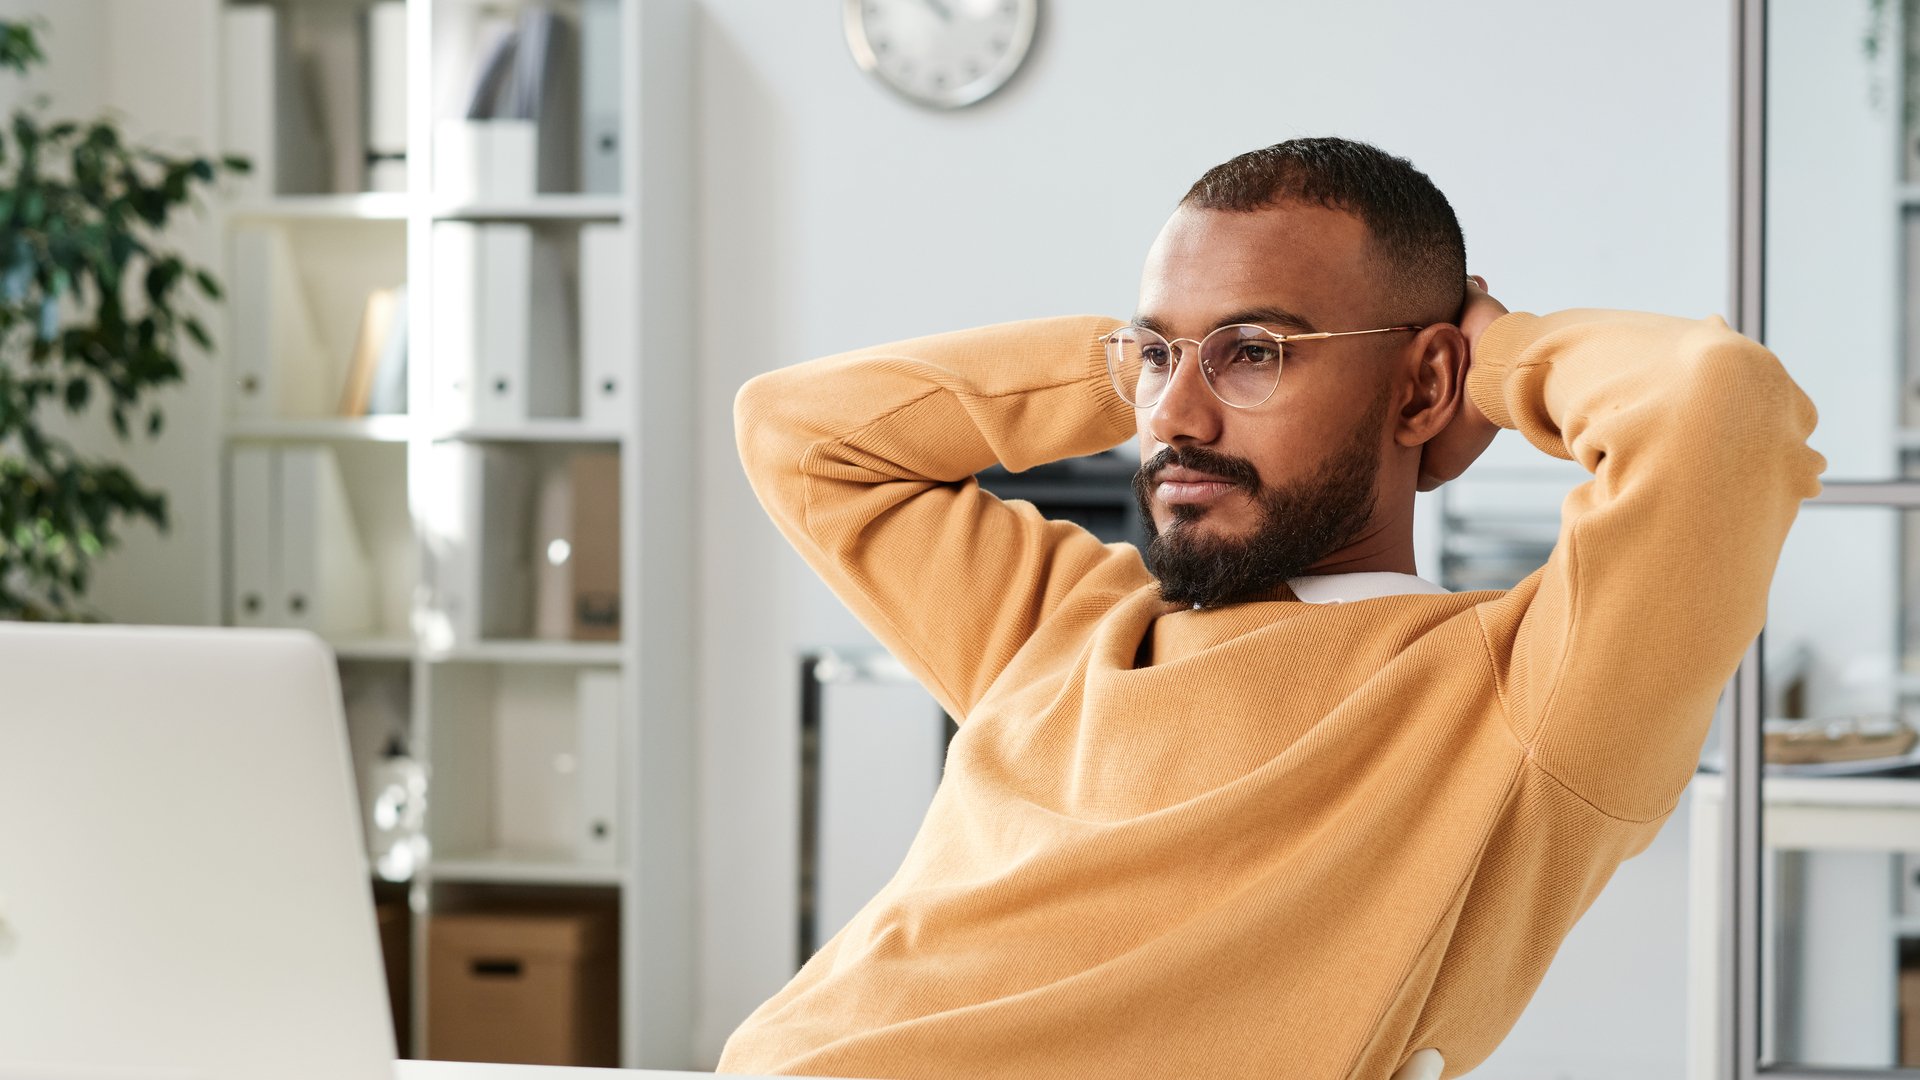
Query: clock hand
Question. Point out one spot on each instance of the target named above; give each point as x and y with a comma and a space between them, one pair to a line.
940, 9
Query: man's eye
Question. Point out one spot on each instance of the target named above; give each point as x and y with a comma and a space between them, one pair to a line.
1154, 356
1256, 354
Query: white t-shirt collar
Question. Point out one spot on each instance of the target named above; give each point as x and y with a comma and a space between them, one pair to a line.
1344, 588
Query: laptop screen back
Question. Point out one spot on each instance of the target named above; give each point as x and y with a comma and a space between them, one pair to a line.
182, 880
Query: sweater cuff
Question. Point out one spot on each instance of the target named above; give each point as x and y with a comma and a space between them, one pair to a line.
1114, 409
1500, 345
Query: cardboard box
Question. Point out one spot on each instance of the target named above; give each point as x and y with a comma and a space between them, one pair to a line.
525, 989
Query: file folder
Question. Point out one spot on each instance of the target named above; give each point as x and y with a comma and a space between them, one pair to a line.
597, 698
251, 521
609, 324
326, 581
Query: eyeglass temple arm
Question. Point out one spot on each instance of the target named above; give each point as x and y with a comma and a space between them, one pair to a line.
1343, 333
1302, 337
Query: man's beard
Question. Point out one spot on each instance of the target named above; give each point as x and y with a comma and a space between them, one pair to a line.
1300, 524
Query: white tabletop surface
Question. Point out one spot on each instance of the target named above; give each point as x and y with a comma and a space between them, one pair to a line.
464, 1070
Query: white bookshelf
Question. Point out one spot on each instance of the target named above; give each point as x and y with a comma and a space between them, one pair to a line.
464, 696
539, 430
554, 207
363, 206
393, 429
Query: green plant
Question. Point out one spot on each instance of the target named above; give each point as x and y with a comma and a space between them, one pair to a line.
90, 306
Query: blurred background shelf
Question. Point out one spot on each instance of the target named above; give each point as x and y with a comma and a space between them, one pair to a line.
327, 428
361, 206
555, 207
525, 868
584, 653
373, 648
557, 431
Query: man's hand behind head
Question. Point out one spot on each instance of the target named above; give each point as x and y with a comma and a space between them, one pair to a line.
1448, 454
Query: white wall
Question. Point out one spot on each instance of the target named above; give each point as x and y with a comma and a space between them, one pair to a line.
1584, 147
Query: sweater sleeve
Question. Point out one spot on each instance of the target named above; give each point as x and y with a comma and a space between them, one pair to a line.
1610, 658
866, 460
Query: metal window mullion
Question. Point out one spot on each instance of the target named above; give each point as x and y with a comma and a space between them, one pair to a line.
1739, 995
1741, 927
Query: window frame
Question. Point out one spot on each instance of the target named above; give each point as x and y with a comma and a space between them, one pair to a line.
1738, 987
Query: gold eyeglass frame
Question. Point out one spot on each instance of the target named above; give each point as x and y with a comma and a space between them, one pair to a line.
1281, 340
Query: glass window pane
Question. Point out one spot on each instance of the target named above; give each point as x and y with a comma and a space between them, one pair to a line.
1833, 224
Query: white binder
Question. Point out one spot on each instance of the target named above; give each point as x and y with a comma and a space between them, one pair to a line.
553, 347
280, 367
326, 581
600, 42
456, 253
251, 520
504, 315
473, 506
387, 96
247, 54
597, 698
503, 281
505, 588
609, 324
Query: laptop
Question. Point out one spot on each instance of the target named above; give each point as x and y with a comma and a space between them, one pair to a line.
183, 887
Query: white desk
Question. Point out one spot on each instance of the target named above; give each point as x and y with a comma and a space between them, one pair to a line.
1840, 819
465, 1070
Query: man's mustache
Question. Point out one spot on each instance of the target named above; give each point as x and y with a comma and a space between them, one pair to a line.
1231, 468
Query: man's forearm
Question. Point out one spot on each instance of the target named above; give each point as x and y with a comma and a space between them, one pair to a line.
1697, 441
1019, 394
862, 460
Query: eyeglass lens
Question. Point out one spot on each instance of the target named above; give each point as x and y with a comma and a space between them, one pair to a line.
1241, 363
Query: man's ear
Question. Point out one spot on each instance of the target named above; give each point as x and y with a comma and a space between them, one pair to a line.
1435, 379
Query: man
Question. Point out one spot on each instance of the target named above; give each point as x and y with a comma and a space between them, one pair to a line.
1267, 805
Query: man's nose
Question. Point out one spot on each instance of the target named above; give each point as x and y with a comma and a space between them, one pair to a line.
1188, 413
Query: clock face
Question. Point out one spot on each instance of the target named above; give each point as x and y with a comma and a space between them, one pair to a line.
941, 53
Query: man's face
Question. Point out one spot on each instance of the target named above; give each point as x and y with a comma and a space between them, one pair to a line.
1292, 269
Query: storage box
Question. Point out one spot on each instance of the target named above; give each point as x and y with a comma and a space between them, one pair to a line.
528, 989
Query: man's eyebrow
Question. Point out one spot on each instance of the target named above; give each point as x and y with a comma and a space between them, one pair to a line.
1271, 316
1265, 316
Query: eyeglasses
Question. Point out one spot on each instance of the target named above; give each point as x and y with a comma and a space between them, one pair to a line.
1241, 362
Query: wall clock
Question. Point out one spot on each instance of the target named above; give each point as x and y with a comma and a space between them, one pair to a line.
941, 53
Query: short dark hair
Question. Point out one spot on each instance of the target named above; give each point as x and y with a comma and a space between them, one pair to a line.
1414, 231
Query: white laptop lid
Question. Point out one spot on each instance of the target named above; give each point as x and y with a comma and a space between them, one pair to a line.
184, 886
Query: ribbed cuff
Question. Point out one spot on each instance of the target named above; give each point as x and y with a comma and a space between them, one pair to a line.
1500, 345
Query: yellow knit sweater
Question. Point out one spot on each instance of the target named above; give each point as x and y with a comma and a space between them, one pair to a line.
1308, 840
